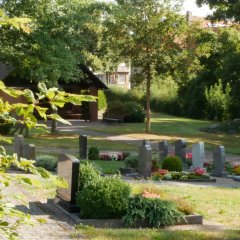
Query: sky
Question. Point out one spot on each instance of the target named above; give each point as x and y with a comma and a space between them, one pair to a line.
190, 5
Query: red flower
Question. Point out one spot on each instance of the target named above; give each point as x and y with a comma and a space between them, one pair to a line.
163, 171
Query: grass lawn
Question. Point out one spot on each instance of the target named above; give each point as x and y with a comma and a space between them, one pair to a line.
108, 167
153, 234
170, 128
216, 204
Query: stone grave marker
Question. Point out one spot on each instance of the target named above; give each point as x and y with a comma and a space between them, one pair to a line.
181, 148
219, 160
163, 149
145, 159
83, 147
29, 151
68, 168
18, 146
198, 155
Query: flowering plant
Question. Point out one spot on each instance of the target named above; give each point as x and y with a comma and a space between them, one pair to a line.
147, 194
199, 171
188, 157
236, 168
112, 156
208, 165
163, 171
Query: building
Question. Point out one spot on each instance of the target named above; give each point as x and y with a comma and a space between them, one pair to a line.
90, 85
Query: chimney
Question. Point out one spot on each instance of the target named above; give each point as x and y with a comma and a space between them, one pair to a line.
189, 16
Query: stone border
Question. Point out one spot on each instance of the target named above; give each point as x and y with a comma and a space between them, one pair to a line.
193, 180
117, 223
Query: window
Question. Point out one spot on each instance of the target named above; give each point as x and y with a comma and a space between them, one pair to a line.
121, 78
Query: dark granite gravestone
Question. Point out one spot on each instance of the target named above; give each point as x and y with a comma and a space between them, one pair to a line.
180, 149
219, 160
83, 147
68, 168
145, 159
163, 149
29, 151
18, 146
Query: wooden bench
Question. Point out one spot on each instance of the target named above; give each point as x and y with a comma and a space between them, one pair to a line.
112, 120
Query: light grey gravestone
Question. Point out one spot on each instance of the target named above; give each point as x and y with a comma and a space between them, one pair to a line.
83, 147
181, 149
68, 168
198, 155
18, 146
219, 160
145, 159
163, 149
29, 151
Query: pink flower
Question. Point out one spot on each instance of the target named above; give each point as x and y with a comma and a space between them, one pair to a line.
189, 156
147, 194
199, 171
163, 171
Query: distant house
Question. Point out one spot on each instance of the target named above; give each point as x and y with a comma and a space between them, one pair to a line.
90, 84
120, 77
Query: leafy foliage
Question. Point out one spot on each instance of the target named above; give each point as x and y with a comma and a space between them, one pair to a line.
46, 161
131, 161
103, 198
93, 153
172, 163
154, 211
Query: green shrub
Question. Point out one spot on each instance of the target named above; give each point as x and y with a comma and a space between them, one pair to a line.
131, 161
102, 101
93, 153
46, 161
136, 113
104, 197
155, 211
172, 163
87, 174
116, 109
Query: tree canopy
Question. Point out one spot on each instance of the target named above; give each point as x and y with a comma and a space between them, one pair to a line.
148, 34
223, 10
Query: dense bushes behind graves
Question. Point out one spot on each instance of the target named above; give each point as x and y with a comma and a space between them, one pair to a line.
46, 161
129, 111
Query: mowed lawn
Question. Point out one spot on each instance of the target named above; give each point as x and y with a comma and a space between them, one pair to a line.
166, 127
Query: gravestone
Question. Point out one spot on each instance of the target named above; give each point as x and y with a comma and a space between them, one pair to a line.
145, 159
219, 160
163, 149
198, 154
180, 149
18, 146
29, 151
83, 147
68, 168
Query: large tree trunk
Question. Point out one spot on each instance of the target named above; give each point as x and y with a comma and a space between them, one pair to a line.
148, 110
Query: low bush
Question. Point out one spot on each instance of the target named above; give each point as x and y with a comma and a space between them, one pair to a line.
116, 109
46, 161
104, 197
172, 163
93, 153
131, 161
155, 211
87, 174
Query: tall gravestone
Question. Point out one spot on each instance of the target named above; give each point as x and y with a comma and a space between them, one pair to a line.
68, 168
163, 149
83, 147
29, 151
145, 159
219, 160
181, 148
18, 146
198, 155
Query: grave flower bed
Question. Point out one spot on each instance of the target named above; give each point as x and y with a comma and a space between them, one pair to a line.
101, 198
163, 174
236, 168
111, 156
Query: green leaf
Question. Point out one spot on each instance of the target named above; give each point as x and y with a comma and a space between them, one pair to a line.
59, 119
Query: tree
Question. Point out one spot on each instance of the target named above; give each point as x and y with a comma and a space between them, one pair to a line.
64, 34
223, 10
148, 33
